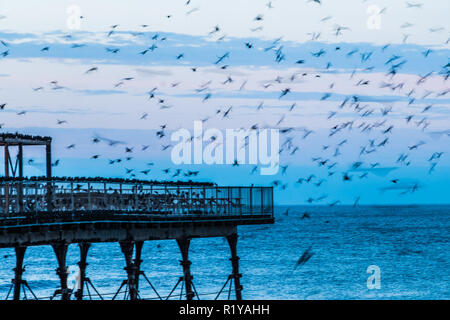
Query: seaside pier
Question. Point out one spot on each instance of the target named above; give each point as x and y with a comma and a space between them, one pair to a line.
60, 211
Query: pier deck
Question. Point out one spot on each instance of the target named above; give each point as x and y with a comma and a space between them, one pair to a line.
36, 212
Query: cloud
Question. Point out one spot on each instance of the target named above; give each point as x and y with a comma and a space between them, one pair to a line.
153, 72
91, 92
200, 52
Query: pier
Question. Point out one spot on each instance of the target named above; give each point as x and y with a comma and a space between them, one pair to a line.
63, 211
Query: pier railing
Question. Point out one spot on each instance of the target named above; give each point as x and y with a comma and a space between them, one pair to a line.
29, 197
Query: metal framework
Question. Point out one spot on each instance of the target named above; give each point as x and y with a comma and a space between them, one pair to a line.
8, 140
31, 197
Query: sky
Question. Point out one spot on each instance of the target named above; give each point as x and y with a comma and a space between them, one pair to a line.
357, 74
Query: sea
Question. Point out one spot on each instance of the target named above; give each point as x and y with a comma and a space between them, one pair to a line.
363, 252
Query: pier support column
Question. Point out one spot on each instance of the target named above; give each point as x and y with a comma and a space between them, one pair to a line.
232, 241
48, 165
184, 248
60, 250
18, 271
84, 248
20, 185
6, 175
137, 262
132, 265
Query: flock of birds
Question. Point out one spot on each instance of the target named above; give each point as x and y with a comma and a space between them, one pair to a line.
363, 113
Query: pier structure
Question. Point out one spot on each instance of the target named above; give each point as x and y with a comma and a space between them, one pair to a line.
61, 211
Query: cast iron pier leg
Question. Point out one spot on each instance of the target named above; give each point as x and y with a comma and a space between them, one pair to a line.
61, 253
232, 241
184, 248
132, 266
84, 248
137, 262
18, 271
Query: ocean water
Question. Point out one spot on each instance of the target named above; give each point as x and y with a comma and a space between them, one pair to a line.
409, 244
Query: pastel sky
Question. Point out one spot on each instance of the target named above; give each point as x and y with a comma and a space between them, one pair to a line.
127, 69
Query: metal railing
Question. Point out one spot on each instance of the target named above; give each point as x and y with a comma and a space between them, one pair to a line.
25, 197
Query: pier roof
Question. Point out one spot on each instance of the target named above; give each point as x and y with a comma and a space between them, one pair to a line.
14, 139
109, 181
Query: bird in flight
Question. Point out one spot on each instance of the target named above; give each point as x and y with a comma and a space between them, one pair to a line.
307, 254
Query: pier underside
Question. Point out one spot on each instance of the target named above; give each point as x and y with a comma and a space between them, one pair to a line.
23, 231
